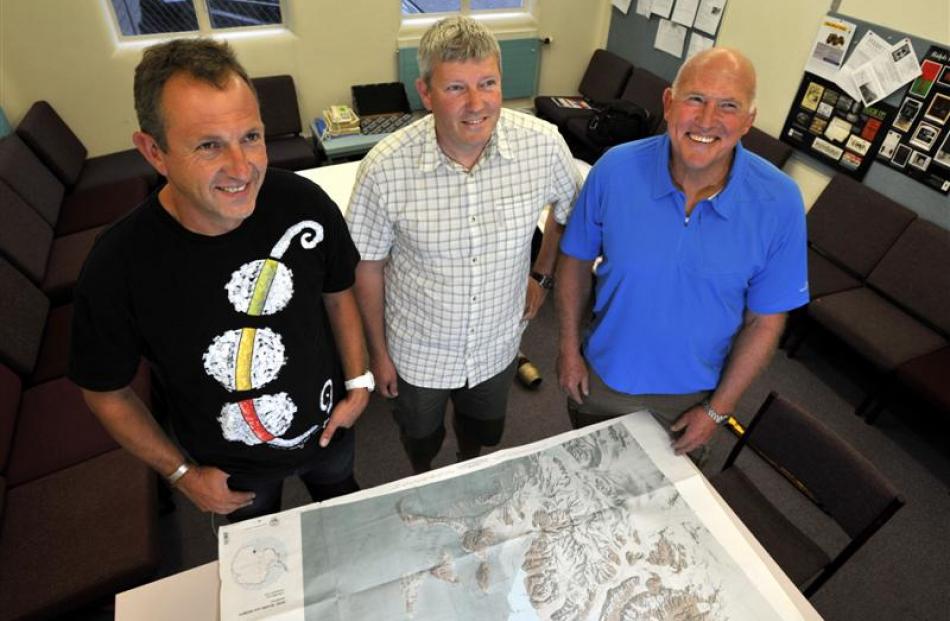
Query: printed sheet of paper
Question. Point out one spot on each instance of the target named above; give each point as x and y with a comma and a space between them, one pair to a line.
709, 15
623, 5
644, 7
883, 74
663, 8
830, 47
685, 12
698, 43
670, 38
601, 522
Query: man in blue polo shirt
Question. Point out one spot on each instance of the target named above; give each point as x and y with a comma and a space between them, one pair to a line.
703, 252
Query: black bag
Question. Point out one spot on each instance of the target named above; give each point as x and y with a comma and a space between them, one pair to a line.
618, 121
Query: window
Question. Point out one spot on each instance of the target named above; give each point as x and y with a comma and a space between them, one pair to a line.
145, 17
417, 7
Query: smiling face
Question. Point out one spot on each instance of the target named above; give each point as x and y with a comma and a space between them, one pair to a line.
465, 99
215, 159
707, 111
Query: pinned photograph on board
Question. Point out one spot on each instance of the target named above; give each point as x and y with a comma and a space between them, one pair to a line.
812, 96
851, 161
945, 76
907, 113
825, 110
901, 155
939, 109
942, 156
818, 126
925, 136
919, 161
890, 144
929, 72
858, 145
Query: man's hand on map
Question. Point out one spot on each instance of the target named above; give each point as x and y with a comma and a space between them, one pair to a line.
345, 413
207, 487
697, 428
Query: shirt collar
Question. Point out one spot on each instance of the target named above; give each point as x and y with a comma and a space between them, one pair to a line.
432, 156
722, 201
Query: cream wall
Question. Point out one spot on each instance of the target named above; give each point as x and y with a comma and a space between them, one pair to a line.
779, 55
65, 52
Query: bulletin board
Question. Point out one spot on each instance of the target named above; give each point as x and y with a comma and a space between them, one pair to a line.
829, 125
909, 184
917, 143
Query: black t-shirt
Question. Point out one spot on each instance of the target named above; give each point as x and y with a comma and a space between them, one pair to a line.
234, 325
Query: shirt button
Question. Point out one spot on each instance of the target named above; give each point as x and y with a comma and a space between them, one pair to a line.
474, 218
474, 297
474, 259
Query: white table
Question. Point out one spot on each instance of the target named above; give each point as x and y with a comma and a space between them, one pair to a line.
194, 594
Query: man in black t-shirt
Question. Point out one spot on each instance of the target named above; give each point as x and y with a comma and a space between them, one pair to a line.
234, 282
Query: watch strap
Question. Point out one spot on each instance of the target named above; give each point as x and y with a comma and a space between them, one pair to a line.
545, 280
711, 412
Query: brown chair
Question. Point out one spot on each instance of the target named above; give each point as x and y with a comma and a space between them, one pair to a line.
826, 470
48, 135
286, 148
603, 80
852, 227
763, 145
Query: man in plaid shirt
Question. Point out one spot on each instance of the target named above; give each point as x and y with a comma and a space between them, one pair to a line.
443, 213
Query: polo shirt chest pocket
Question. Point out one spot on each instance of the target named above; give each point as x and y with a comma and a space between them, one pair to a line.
721, 263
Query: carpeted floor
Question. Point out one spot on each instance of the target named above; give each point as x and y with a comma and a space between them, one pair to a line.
901, 574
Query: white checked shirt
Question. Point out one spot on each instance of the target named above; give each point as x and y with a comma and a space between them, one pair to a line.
458, 242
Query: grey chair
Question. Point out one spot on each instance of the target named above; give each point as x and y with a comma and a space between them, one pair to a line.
826, 470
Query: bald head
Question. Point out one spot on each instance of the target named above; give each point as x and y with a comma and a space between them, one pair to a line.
722, 61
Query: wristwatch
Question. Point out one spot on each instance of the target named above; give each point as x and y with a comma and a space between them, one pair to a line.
713, 414
365, 380
545, 280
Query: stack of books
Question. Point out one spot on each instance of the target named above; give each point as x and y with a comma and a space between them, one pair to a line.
341, 121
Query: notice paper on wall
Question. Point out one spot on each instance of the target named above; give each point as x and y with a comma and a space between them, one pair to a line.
663, 8
644, 7
697, 43
670, 38
685, 12
709, 15
830, 47
882, 74
622, 5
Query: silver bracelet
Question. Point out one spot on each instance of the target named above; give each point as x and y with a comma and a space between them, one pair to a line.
179, 472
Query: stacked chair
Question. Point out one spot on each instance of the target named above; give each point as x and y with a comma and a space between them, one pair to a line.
286, 147
879, 282
826, 470
78, 514
609, 77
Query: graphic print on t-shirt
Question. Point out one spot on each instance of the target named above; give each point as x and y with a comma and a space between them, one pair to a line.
248, 358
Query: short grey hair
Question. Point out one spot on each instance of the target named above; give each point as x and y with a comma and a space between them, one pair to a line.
455, 39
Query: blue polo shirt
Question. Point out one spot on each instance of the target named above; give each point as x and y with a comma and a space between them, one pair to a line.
671, 292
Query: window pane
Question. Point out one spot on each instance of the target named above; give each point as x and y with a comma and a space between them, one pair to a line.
411, 7
489, 5
237, 13
155, 16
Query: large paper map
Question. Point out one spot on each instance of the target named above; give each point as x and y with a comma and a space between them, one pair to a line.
587, 527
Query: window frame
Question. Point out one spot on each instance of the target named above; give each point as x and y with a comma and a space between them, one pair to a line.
205, 28
523, 21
